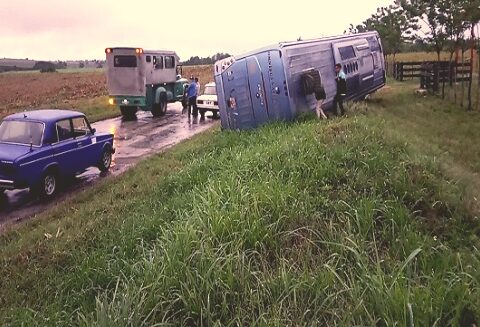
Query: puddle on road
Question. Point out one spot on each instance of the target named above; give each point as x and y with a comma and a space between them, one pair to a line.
133, 141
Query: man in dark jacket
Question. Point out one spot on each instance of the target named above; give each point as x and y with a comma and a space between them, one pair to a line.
341, 80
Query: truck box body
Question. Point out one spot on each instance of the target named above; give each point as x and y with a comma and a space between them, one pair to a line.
133, 74
265, 85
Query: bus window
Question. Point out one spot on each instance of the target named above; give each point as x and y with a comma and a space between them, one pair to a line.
169, 62
347, 52
125, 61
158, 62
148, 58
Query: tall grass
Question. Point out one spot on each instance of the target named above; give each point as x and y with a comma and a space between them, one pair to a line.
312, 223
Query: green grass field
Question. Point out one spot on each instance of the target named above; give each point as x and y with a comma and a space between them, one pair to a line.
369, 220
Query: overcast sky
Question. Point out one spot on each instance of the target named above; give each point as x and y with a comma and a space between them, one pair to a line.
82, 29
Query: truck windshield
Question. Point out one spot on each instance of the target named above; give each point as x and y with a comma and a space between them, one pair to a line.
125, 61
21, 132
210, 90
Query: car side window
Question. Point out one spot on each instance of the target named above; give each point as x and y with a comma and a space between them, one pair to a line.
64, 130
80, 127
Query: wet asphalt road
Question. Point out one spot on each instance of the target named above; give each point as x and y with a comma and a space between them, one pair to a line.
134, 140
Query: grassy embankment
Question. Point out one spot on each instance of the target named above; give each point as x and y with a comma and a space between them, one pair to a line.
354, 221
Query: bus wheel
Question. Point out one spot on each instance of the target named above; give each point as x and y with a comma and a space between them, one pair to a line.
129, 112
160, 109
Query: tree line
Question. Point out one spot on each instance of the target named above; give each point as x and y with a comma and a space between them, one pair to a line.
196, 60
431, 25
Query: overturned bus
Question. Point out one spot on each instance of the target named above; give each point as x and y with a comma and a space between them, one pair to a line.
266, 84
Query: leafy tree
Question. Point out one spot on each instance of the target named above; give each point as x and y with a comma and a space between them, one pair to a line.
432, 17
393, 26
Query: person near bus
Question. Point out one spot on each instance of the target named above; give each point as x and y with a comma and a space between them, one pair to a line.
312, 84
341, 80
192, 98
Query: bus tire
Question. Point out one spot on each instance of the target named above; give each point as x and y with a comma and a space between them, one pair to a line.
128, 112
160, 109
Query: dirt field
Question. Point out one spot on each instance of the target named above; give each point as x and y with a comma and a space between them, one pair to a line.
26, 91
83, 91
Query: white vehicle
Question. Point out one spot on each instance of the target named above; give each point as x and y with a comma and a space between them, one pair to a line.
208, 101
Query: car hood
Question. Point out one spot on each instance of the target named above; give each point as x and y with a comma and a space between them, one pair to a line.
207, 97
10, 152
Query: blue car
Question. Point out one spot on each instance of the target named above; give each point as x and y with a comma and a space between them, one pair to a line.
39, 149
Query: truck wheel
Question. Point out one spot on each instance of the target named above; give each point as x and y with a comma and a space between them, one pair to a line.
49, 184
105, 160
128, 112
160, 109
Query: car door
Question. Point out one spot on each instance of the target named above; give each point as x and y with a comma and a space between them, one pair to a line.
65, 147
86, 154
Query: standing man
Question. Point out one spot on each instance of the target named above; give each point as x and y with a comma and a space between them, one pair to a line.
192, 97
198, 86
341, 80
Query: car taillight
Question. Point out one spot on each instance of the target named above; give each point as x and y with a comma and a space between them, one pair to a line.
215, 103
200, 101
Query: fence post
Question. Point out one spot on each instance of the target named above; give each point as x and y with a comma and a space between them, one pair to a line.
436, 77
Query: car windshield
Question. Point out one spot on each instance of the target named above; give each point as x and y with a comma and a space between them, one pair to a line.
210, 90
21, 132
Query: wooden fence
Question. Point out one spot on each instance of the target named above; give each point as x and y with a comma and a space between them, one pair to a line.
439, 69
434, 74
407, 70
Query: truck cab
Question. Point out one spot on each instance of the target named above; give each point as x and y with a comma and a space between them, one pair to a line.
143, 79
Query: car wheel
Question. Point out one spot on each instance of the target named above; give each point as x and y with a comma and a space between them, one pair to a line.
160, 109
48, 185
215, 114
128, 112
105, 160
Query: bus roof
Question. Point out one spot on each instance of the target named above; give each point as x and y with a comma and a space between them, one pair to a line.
164, 52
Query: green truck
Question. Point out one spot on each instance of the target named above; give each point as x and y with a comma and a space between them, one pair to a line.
143, 79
